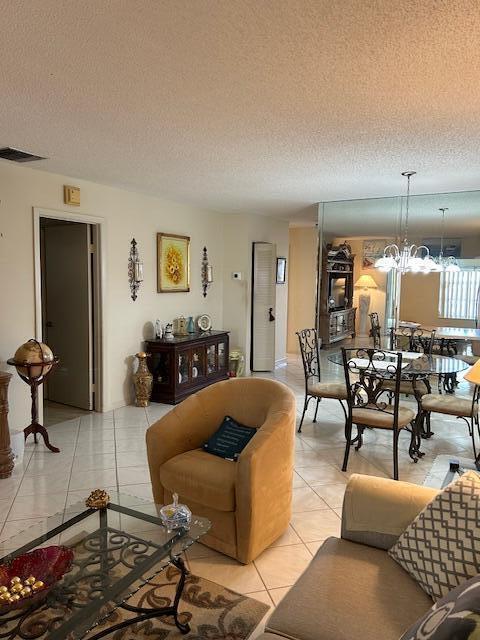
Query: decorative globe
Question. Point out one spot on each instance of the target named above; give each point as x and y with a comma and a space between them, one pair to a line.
33, 353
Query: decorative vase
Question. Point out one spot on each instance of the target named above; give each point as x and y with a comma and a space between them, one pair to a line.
190, 325
142, 380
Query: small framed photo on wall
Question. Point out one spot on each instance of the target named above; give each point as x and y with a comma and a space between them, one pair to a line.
281, 270
173, 263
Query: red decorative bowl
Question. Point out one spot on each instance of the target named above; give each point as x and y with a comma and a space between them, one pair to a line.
48, 565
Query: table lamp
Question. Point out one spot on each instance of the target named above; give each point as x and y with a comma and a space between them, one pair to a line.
365, 282
473, 374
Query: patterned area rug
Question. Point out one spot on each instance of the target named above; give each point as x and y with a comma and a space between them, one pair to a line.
212, 611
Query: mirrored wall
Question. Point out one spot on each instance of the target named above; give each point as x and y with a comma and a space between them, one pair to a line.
363, 228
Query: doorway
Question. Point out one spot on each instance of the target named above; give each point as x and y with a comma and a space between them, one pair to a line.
68, 314
262, 355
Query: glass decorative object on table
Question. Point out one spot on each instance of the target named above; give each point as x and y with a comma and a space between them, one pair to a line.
190, 325
175, 515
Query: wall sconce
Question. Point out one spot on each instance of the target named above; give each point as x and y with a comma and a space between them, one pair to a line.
207, 272
135, 270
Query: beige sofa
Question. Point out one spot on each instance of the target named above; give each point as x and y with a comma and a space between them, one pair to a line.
249, 501
352, 589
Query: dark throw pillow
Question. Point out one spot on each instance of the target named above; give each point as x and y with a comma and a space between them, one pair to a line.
455, 617
230, 439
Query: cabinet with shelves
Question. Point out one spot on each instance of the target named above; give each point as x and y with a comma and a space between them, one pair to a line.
336, 314
186, 364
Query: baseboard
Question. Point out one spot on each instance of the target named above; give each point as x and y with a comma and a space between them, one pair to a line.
281, 362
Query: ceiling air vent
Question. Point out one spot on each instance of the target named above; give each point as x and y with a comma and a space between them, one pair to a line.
15, 155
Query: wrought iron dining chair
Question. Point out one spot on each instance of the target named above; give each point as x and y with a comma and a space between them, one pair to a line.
462, 408
315, 389
418, 340
371, 405
375, 330
471, 359
409, 339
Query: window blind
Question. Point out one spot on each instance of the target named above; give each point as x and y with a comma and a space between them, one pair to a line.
458, 294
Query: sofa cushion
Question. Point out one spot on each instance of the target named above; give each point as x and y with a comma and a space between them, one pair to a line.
441, 547
456, 615
350, 592
201, 477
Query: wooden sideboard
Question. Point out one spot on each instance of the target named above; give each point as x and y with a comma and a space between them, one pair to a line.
185, 364
6, 455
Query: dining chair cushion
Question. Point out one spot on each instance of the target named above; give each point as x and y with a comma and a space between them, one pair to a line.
382, 419
335, 390
406, 386
449, 404
471, 360
440, 548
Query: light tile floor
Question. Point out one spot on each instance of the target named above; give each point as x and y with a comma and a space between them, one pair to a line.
108, 450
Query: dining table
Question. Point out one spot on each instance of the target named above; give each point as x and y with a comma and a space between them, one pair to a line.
445, 367
416, 367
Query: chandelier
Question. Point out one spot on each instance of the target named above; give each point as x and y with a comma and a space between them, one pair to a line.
445, 263
406, 257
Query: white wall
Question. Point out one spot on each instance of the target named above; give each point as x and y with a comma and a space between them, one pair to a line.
126, 323
239, 234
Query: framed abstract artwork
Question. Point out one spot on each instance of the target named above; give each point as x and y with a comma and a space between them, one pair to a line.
173, 263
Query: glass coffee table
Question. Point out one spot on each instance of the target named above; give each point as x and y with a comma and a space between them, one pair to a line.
117, 551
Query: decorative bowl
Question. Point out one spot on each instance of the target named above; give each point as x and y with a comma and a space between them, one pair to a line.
48, 565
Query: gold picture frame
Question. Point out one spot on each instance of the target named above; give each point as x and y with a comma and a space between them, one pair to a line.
173, 263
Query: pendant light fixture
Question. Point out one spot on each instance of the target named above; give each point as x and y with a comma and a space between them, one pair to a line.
406, 257
445, 263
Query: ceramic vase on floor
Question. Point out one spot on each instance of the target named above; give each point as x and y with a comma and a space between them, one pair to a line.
142, 380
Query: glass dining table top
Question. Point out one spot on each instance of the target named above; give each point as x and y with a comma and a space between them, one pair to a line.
429, 365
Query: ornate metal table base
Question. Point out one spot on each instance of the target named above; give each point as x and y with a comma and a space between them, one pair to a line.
148, 613
448, 381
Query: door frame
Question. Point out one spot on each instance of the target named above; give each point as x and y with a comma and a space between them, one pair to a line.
99, 288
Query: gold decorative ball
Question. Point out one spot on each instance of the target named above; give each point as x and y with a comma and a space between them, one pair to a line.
38, 585
26, 591
14, 598
33, 352
15, 580
17, 587
30, 580
5, 597
3, 590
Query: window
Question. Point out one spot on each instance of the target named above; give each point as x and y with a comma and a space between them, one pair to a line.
459, 293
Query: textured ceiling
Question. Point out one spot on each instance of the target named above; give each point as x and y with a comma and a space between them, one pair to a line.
246, 105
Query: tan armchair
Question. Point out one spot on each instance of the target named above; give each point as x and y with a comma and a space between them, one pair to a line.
248, 501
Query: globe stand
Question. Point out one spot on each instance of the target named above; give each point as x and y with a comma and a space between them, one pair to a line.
34, 381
